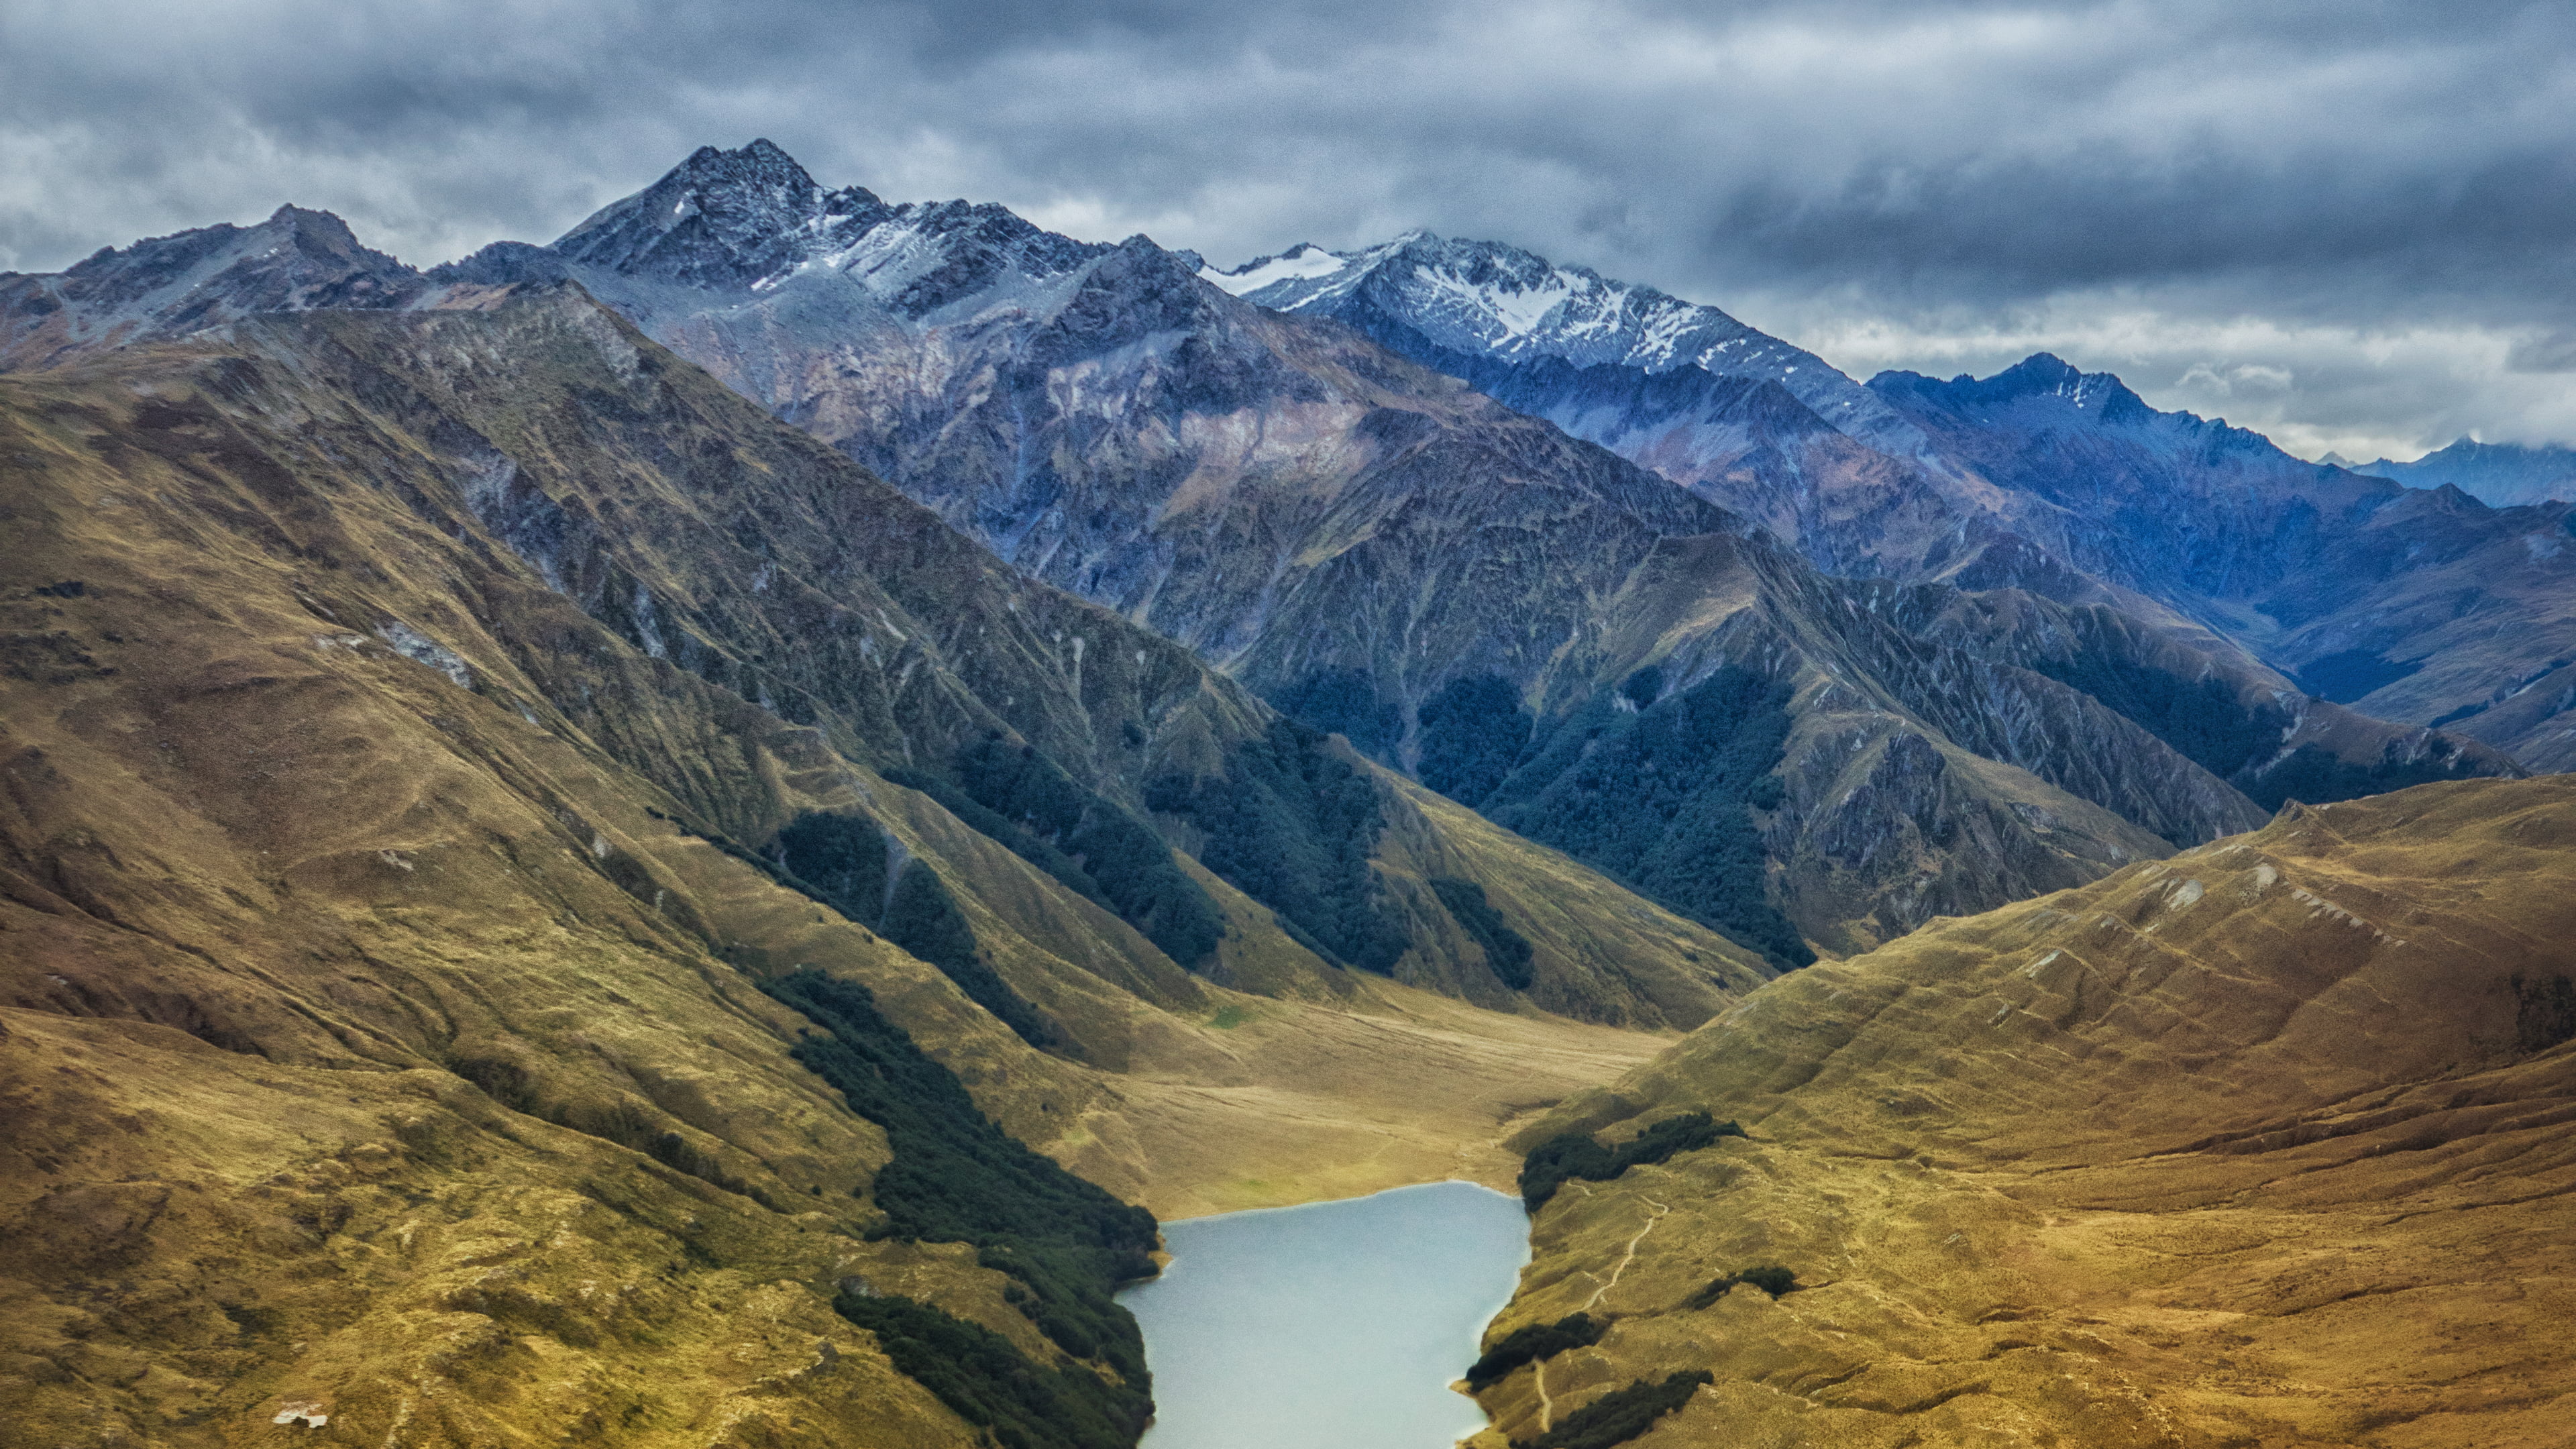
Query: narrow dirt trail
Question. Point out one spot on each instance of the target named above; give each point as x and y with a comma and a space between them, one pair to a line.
1630, 1255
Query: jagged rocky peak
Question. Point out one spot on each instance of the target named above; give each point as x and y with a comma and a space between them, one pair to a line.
1482, 296
747, 220
2042, 375
721, 218
167, 286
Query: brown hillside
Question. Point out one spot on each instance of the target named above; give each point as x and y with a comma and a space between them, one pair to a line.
2265, 1144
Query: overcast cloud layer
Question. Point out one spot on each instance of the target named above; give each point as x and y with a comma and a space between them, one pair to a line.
2351, 225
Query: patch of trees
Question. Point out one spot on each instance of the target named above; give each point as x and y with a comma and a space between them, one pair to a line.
1472, 734
2207, 724
957, 1177
989, 1383
1576, 1155
2315, 774
2348, 674
1534, 1341
2544, 1012
1771, 1278
1292, 825
1619, 1415
841, 860
1020, 798
1506, 950
1344, 702
1660, 798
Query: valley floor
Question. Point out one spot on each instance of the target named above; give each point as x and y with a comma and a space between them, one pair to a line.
1308, 1102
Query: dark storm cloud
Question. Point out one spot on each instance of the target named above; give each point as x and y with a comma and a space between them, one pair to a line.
2350, 219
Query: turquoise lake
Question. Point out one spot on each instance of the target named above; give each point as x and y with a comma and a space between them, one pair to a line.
1336, 1325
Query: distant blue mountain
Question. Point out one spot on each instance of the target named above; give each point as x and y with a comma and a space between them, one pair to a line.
2504, 474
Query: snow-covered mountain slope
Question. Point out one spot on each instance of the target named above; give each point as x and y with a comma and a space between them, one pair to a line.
2505, 475
1484, 298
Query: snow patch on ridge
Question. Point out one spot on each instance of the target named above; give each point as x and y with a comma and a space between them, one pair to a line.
1302, 262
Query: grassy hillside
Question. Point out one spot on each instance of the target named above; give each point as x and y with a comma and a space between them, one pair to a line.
2262, 1144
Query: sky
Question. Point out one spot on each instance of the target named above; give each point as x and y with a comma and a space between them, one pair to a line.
2350, 225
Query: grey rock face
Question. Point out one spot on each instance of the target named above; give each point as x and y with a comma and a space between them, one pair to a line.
170, 286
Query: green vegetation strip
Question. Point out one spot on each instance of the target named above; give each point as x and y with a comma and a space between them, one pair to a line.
1619, 1415
1532, 1342
841, 860
1506, 950
1571, 1155
1772, 1279
1291, 824
956, 1177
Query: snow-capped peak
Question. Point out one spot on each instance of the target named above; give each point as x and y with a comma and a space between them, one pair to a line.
1489, 300
1303, 262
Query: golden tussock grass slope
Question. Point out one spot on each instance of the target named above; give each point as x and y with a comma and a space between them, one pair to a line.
379, 1034
2265, 1144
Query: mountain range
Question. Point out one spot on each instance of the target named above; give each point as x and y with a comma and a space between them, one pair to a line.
2415, 604
2506, 475
784, 752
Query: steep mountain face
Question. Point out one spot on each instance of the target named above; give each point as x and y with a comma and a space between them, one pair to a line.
1346, 532
1742, 418
2501, 475
476, 932
2040, 478
2262, 1144
2404, 603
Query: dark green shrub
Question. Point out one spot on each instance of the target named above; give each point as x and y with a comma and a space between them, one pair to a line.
1472, 733
1575, 1155
1773, 1279
1506, 950
1619, 1415
2544, 1012
1292, 825
1532, 1342
839, 860
1644, 687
